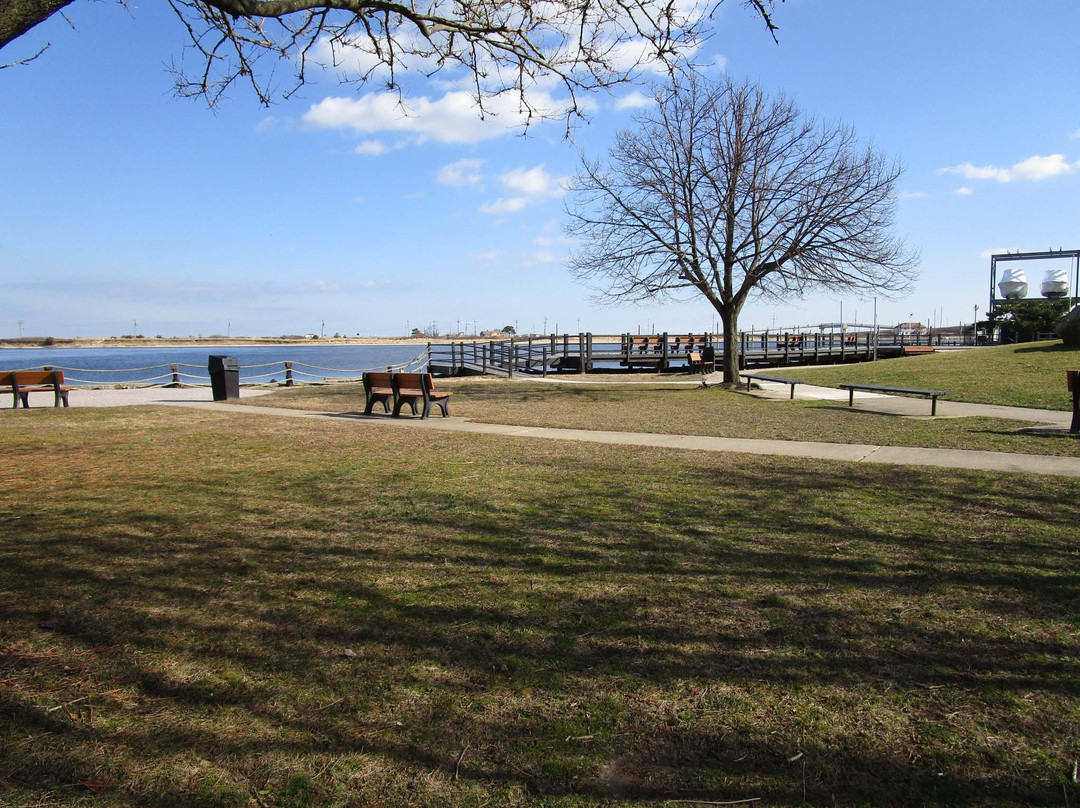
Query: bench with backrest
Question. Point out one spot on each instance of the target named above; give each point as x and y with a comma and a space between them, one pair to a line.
907, 391
763, 378
22, 383
414, 388
378, 389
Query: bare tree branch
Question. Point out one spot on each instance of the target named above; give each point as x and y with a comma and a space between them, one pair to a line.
722, 192
507, 47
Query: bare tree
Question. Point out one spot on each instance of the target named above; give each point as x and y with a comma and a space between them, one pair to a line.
506, 47
722, 192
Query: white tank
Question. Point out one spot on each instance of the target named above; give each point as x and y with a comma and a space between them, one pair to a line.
1055, 283
1013, 285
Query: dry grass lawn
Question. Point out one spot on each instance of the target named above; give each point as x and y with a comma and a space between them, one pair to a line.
198, 609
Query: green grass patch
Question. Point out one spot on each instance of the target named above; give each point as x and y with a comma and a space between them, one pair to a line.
715, 412
203, 609
1027, 375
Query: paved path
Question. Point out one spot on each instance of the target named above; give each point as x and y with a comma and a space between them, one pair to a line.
859, 453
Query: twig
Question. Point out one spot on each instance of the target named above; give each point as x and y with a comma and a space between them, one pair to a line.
457, 766
710, 802
68, 704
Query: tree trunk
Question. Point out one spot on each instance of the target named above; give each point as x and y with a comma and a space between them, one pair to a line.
730, 361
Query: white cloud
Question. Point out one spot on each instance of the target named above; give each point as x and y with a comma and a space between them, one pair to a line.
526, 185
911, 195
372, 147
490, 255
462, 172
451, 118
1075, 135
963, 190
317, 285
500, 206
534, 181
543, 241
1033, 169
634, 100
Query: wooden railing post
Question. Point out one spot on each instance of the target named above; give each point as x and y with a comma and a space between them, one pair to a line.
176, 375
288, 374
543, 359
587, 367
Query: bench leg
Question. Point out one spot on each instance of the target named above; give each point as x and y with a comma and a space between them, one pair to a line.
792, 392
444, 405
933, 406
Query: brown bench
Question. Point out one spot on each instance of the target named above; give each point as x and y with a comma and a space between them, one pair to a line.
416, 387
22, 383
378, 389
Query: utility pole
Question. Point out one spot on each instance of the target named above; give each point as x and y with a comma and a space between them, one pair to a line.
20, 328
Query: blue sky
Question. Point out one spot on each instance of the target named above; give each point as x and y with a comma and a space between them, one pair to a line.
124, 207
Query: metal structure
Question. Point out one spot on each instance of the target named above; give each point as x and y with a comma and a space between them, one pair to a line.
1072, 255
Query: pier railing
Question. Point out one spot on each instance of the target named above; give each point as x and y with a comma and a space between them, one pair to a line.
180, 374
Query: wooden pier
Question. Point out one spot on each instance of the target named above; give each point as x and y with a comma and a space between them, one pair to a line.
659, 353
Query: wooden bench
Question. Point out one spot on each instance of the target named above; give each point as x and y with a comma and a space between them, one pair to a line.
907, 391
416, 387
917, 350
696, 360
22, 383
378, 389
762, 378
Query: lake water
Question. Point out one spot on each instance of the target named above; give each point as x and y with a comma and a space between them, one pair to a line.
260, 363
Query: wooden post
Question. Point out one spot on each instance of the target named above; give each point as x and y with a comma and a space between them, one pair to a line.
587, 368
176, 374
1073, 379
543, 359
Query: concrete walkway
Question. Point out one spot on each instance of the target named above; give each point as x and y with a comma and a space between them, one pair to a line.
912, 407
858, 453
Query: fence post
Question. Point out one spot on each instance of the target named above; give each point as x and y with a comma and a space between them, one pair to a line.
543, 359
587, 368
288, 374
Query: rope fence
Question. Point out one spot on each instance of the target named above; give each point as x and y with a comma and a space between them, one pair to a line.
286, 372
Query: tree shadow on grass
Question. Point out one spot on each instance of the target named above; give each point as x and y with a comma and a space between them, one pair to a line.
701, 628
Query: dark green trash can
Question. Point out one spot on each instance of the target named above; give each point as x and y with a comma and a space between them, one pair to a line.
224, 377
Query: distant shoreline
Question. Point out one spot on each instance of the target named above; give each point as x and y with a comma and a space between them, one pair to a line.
231, 342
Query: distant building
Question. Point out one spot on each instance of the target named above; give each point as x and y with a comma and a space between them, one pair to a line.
910, 330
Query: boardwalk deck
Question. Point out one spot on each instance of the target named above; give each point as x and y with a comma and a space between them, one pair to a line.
589, 353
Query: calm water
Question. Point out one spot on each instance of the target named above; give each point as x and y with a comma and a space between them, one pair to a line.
257, 363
